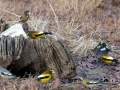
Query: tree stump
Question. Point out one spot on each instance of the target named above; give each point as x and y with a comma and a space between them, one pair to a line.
34, 56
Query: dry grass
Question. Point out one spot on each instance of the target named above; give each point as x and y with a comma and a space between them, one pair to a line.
19, 84
78, 22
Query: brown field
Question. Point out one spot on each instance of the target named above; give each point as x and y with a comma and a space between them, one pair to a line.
79, 23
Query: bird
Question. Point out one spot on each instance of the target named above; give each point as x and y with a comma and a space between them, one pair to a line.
3, 25
103, 48
37, 34
109, 59
46, 76
5, 73
91, 83
25, 16
6, 27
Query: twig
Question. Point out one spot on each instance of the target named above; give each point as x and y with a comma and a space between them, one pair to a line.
9, 12
56, 18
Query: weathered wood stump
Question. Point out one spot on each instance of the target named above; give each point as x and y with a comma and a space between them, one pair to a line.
34, 56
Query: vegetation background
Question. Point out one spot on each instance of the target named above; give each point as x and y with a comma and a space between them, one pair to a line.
79, 23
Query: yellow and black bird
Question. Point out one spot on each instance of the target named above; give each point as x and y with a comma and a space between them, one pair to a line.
109, 60
103, 48
37, 34
46, 76
91, 83
25, 16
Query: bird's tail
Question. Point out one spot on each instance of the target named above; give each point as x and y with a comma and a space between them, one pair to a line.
47, 33
115, 52
101, 83
118, 62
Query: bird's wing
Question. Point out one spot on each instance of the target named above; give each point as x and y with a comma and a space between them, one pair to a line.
101, 50
44, 76
39, 34
106, 57
93, 82
21, 17
5, 72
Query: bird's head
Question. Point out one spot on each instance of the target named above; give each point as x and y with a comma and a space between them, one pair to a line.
103, 40
51, 71
27, 12
107, 57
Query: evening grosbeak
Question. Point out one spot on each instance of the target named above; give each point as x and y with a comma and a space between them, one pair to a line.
37, 34
46, 76
25, 16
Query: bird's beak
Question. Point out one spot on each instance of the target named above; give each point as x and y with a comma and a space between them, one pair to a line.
99, 38
80, 78
53, 71
29, 13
